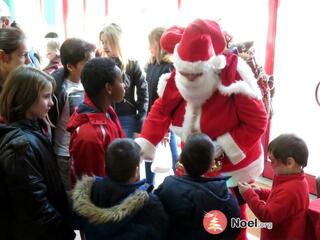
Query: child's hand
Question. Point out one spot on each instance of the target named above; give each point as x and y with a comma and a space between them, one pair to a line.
243, 186
255, 187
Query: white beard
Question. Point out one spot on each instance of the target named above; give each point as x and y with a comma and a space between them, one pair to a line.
198, 91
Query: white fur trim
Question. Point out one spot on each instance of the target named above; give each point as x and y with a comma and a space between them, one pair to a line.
230, 148
191, 122
215, 62
147, 148
246, 174
198, 91
248, 86
83, 205
163, 79
219, 62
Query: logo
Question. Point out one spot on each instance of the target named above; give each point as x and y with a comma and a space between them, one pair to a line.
214, 222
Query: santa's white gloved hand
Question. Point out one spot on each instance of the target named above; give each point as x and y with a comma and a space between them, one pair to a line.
218, 151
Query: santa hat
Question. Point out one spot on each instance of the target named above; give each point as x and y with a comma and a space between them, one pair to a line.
197, 48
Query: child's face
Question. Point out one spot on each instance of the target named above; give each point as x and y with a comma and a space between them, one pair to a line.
51, 54
281, 168
42, 105
75, 70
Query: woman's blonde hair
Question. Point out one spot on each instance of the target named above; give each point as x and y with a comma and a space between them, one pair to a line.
114, 32
21, 91
162, 56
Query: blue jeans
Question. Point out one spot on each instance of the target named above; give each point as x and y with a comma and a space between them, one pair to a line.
174, 154
128, 124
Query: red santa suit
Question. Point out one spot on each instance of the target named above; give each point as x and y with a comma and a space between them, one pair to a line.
224, 103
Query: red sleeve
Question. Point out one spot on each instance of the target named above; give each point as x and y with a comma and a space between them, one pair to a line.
263, 193
157, 123
280, 203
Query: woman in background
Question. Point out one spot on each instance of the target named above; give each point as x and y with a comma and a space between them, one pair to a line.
13, 51
159, 64
34, 204
133, 109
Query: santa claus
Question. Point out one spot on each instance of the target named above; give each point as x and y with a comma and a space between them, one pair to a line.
212, 92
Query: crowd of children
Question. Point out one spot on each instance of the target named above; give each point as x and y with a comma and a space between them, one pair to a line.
66, 164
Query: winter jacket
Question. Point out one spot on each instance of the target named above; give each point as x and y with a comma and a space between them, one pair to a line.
33, 200
135, 84
153, 73
60, 95
91, 133
186, 200
285, 206
112, 210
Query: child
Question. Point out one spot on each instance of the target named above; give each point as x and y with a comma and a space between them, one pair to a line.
33, 200
285, 205
69, 93
187, 198
53, 52
94, 125
118, 207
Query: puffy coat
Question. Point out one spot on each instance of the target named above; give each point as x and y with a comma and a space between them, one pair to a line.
33, 200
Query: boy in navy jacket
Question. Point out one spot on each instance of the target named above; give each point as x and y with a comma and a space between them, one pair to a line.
117, 206
188, 198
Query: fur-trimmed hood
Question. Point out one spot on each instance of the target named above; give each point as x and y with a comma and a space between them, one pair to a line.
83, 205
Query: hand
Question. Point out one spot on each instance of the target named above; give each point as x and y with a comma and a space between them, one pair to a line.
255, 187
243, 186
166, 139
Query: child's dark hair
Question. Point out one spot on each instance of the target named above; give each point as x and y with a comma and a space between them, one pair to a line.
74, 50
122, 159
96, 73
197, 154
289, 145
51, 35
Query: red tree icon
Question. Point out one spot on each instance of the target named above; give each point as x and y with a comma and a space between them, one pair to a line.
214, 222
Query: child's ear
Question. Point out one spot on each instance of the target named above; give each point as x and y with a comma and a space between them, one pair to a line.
70, 67
291, 162
137, 173
108, 88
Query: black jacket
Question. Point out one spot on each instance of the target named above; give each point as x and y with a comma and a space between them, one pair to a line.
59, 96
136, 94
153, 73
186, 201
111, 210
33, 200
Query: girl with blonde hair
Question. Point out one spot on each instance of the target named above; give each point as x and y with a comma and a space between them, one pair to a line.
133, 109
159, 63
33, 200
